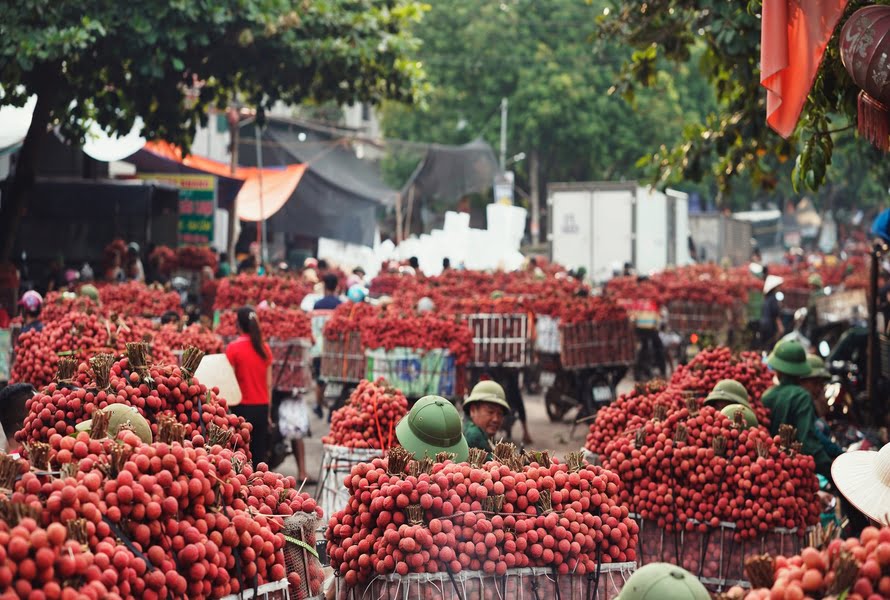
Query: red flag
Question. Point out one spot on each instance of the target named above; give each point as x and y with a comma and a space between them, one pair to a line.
793, 37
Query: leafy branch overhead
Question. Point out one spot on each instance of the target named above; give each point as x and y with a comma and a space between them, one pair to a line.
167, 61
734, 140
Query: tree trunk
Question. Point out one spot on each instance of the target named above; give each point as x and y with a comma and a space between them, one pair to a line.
534, 168
15, 202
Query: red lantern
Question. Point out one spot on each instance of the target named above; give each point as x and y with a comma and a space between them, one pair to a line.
865, 53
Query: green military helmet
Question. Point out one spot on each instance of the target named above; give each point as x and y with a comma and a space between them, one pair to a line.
487, 391
663, 581
789, 358
433, 425
748, 416
817, 368
90, 291
728, 390
122, 414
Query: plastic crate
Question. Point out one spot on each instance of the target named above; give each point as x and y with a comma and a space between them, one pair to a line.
687, 317
318, 319
518, 584
276, 590
596, 344
290, 364
795, 298
343, 359
713, 555
547, 334
415, 372
500, 340
337, 463
841, 306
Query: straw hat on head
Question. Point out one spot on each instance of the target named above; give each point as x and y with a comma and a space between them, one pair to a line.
863, 477
771, 283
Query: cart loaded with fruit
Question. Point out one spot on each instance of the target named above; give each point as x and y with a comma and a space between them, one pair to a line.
519, 525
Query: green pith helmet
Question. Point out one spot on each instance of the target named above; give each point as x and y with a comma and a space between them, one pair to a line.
122, 414
90, 292
487, 391
817, 368
728, 390
748, 415
789, 358
815, 280
433, 426
663, 581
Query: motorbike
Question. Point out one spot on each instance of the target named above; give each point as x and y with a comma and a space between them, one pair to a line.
578, 394
335, 394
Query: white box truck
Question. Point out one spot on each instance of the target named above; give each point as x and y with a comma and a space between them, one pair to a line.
602, 225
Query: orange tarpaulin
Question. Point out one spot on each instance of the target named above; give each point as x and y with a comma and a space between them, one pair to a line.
793, 38
278, 184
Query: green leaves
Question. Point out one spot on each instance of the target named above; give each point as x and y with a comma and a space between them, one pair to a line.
734, 141
135, 58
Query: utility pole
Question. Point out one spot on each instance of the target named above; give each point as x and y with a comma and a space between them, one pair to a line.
261, 225
535, 200
234, 128
503, 134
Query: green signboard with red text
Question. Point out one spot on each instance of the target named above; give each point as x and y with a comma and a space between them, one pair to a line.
197, 205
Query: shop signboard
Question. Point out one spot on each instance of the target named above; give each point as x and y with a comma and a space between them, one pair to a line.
197, 205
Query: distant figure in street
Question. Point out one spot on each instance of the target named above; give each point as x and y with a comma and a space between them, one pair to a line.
252, 264
771, 328
330, 301
32, 304
135, 270
223, 269
446, 264
251, 358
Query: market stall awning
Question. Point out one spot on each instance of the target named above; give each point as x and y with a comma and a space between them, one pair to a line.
264, 192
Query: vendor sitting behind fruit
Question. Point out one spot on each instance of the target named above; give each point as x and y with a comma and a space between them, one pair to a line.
814, 383
485, 409
791, 404
13, 399
730, 397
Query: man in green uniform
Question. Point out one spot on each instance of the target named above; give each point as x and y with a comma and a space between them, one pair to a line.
791, 404
814, 383
485, 409
432, 426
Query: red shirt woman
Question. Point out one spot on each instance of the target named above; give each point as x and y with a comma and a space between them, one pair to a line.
251, 359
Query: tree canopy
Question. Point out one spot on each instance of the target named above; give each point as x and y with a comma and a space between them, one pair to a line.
733, 142
544, 56
167, 61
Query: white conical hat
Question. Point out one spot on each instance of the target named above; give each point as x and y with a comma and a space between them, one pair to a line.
771, 283
863, 477
216, 370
